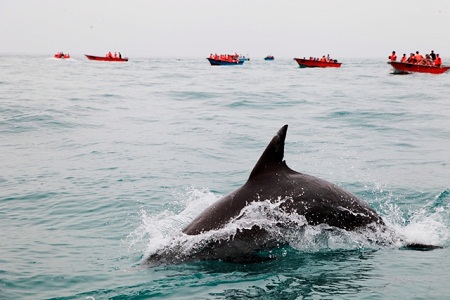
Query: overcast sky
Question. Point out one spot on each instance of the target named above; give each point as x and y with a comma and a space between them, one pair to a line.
195, 28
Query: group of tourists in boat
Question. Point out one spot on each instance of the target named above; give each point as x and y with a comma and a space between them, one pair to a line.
225, 57
323, 59
430, 59
62, 55
416, 62
116, 57
315, 62
110, 55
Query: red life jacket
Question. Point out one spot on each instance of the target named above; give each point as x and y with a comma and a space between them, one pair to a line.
438, 61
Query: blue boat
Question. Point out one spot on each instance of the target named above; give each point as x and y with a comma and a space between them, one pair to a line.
220, 62
269, 57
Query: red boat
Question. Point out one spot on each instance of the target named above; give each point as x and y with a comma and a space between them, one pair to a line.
312, 63
405, 68
106, 58
61, 55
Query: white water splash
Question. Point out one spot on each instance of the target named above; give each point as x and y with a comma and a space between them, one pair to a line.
158, 230
427, 228
163, 230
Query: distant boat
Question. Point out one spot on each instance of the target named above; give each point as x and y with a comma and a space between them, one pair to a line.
269, 57
312, 63
106, 58
221, 62
61, 55
243, 58
405, 68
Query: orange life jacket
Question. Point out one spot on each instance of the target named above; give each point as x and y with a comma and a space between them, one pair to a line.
393, 57
438, 61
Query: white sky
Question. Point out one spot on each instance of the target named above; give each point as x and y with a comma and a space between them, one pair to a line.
195, 28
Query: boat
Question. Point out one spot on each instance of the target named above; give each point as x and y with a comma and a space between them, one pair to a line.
406, 68
312, 63
106, 58
61, 55
269, 57
225, 60
243, 58
221, 62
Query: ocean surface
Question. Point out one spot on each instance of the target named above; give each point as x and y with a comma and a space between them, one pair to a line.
104, 163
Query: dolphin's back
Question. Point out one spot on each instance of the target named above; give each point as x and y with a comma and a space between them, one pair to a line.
316, 200
322, 202
271, 179
220, 213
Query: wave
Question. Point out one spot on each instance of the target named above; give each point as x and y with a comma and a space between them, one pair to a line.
160, 233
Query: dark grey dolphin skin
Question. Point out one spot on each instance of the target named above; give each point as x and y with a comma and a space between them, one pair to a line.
318, 200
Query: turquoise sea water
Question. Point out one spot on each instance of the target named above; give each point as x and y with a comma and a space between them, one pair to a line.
102, 163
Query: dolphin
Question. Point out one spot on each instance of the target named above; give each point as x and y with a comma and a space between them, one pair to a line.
318, 201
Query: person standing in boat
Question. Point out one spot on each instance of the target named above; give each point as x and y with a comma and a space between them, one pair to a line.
393, 56
120, 55
433, 56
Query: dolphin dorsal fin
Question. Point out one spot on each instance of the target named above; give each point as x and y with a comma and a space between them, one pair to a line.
273, 155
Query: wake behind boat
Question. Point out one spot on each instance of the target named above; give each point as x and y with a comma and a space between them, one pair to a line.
317, 63
108, 57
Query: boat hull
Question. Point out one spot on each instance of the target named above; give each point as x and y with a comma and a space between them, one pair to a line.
405, 68
105, 58
269, 58
218, 62
309, 63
